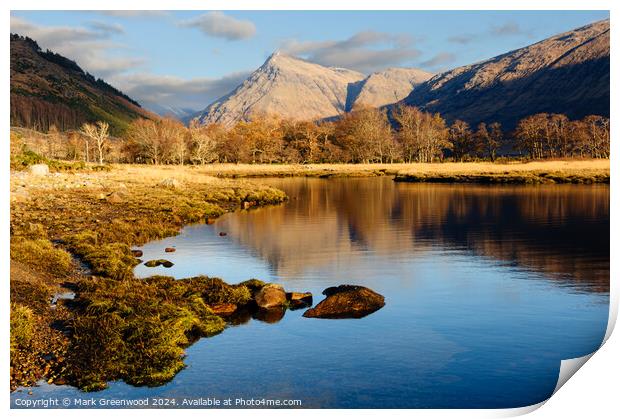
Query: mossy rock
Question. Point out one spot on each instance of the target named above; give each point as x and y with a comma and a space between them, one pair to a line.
158, 262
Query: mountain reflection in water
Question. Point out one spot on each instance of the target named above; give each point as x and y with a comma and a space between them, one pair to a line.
559, 230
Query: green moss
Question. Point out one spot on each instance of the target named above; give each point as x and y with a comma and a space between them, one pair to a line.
136, 330
22, 326
113, 260
26, 158
253, 284
215, 291
41, 255
193, 211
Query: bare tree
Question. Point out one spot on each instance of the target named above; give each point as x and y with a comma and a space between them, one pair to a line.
496, 139
203, 145
99, 133
462, 139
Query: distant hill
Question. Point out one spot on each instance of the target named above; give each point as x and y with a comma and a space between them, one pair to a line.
567, 73
182, 114
49, 89
385, 87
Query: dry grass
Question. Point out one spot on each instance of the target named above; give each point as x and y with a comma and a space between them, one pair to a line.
208, 173
557, 171
572, 166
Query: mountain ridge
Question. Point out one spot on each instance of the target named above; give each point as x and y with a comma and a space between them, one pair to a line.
292, 87
281, 85
565, 73
49, 89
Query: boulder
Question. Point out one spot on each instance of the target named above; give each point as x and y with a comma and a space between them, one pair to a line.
39, 170
347, 302
136, 252
222, 234
170, 183
114, 198
254, 285
156, 262
299, 300
271, 295
223, 308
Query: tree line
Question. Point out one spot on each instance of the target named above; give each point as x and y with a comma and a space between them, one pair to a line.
364, 135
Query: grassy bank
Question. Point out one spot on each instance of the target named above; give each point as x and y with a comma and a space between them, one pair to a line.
74, 232
598, 170
561, 171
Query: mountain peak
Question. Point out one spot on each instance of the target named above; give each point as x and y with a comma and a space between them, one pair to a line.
287, 86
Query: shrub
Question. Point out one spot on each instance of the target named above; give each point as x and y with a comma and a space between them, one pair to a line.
22, 326
41, 255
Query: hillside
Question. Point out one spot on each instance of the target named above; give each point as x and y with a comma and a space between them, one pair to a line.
567, 73
49, 89
385, 87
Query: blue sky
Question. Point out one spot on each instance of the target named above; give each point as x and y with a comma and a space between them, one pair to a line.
190, 58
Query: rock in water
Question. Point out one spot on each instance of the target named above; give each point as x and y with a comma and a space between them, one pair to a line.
39, 169
223, 308
271, 295
170, 249
347, 302
136, 252
299, 300
156, 262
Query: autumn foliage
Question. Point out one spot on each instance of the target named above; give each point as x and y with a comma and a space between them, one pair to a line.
364, 135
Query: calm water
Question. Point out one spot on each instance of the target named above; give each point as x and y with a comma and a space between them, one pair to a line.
487, 289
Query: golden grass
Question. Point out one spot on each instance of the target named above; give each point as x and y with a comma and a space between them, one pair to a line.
208, 174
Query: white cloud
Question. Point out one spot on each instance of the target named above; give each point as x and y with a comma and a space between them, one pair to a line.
174, 91
110, 28
133, 13
89, 47
438, 60
219, 25
365, 51
505, 29
508, 28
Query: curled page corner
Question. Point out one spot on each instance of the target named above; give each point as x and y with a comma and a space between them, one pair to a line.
568, 368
